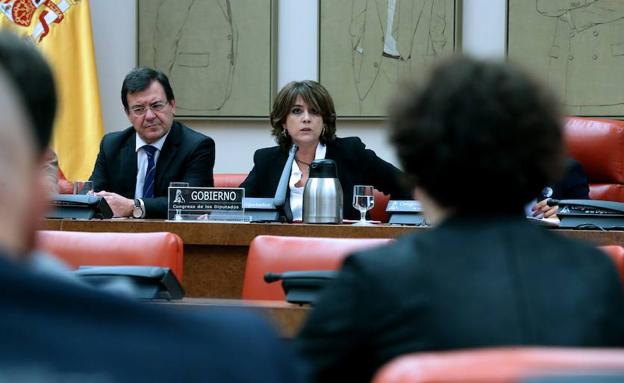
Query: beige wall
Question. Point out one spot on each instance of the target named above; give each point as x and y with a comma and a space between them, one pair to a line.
114, 34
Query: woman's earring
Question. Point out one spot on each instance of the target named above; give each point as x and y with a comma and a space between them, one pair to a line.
285, 132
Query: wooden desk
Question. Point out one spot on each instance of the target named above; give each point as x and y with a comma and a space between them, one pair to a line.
215, 253
285, 317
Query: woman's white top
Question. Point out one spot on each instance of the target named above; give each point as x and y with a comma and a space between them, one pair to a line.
296, 193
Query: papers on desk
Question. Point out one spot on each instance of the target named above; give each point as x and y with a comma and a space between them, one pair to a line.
352, 221
539, 220
549, 222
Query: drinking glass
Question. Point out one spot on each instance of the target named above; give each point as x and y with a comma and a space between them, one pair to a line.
363, 201
83, 187
178, 213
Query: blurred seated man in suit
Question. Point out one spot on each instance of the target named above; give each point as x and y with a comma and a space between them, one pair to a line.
135, 166
478, 140
53, 330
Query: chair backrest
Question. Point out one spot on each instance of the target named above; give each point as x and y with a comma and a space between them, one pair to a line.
598, 144
617, 255
229, 180
280, 254
497, 365
378, 212
64, 186
115, 249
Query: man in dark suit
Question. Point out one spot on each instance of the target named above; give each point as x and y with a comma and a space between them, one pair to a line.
478, 141
53, 330
135, 166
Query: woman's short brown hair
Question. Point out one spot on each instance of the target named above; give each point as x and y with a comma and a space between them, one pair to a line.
316, 96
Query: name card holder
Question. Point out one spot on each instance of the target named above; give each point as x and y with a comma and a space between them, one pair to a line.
405, 212
261, 210
79, 207
206, 204
591, 214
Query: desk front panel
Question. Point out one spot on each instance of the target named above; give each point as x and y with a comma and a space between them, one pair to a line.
215, 253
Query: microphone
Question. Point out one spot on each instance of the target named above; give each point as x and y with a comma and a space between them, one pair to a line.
272, 277
552, 202
282, 187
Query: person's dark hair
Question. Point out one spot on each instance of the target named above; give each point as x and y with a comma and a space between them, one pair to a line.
140, 79
316, 96
479, 136
34, 82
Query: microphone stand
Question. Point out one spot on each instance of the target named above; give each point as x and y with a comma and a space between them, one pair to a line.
279, 201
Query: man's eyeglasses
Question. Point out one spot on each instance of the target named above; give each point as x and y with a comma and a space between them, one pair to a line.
140, 110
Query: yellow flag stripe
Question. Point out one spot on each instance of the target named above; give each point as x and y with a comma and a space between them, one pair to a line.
69, 49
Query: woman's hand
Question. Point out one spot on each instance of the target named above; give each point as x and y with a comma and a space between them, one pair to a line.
542, 210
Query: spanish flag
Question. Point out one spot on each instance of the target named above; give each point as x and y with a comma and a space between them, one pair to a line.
62, 30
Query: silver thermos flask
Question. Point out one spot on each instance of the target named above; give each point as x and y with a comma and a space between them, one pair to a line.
322, 195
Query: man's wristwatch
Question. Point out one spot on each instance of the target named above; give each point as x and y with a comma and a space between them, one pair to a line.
139, 209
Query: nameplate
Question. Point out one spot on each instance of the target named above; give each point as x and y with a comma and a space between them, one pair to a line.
403, 206
191, 203
405, 212
258, 203
79, 206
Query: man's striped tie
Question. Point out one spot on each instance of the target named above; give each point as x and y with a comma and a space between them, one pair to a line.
150, 174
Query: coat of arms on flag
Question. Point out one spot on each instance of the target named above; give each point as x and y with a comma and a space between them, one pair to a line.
37, 15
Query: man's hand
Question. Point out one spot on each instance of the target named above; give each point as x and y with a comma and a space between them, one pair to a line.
542, 210
121, 206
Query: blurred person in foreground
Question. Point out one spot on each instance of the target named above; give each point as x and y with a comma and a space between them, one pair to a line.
484, 275
53, 330
303, 114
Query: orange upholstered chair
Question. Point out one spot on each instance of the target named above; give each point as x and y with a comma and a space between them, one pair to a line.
378, 212
598, 144
115, 249
280, 254
64, 186
617, 255
229, 180
498, 365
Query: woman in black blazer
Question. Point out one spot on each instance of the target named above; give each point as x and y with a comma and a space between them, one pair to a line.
303, 113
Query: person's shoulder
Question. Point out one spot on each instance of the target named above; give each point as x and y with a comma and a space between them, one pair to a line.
403, 262
564, 244
586, 261
268, 154
577, 168
573, 167
348, 149
348, 143
118, 137
391, 258
572, 162
557, 248
188, 134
